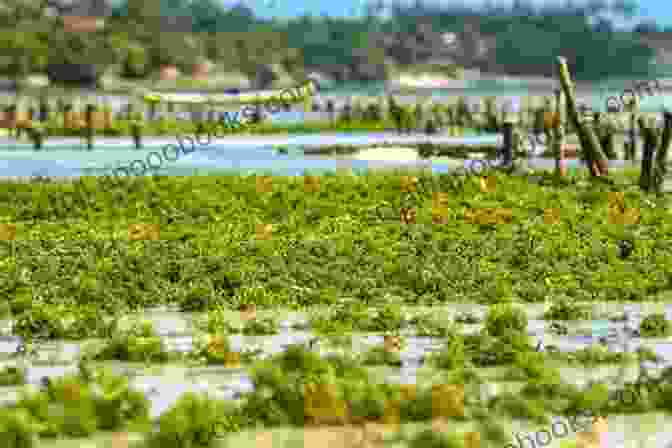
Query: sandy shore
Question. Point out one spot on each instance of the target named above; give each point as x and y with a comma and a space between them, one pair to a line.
401, 154
387, 154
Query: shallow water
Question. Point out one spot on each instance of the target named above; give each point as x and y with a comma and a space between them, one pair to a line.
177, 333
163, 384
63, 158
66, 158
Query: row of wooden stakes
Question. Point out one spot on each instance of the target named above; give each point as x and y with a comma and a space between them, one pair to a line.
71, 120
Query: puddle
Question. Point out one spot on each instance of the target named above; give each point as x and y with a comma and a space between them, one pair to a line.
181, 344
536, 327
162, 393
241, 384
34, 374
9, 345
273, 344
664, 350
168, 322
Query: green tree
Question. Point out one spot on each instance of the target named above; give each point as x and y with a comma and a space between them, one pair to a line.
206, 16
23, 52
136, 62
171, 48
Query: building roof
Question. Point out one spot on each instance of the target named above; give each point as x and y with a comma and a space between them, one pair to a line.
179, 24
91, 8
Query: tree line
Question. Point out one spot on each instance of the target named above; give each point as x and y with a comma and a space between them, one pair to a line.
140, 37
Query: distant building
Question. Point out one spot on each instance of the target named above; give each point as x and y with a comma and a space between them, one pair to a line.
177, 24
168, 73
82, 24
81, 16
202, 69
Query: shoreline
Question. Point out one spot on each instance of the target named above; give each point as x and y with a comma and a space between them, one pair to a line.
437, 164
384, 152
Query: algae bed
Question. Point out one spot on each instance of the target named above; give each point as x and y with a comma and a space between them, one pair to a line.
393, 308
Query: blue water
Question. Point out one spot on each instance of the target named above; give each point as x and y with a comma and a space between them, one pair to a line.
600, 328
258, 160
239, 154
596, 96
242, 155
265, 162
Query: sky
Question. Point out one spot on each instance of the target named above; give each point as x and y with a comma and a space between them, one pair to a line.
658, 10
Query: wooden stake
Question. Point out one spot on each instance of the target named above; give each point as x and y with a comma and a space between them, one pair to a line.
589, 141
660, 167
650, 144
559, 134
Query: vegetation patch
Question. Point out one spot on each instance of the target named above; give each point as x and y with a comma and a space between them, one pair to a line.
655, 325
564, 308
344, 246
136, 343
76, 406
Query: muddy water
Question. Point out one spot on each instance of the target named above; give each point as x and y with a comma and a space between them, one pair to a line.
163, 384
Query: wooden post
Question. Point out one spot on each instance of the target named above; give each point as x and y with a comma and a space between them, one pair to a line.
536, 104
44, 110
418, 116
451, 119
508, 143
490, 115
599, 165
660, 168
89, 131
461, 112
393, 108
533, 112
537, 116
505, 112
548, 118
650, 143
37, 136
480, 115
11, 118
60, 113
528, 112
631, 147
331, 111
605, 135
18, 116
136, 132
559, 134
514, 114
